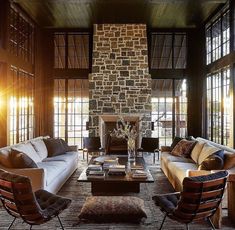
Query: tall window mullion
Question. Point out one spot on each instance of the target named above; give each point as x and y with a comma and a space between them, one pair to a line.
70, 119
218, 36
219, 103
169, 109
20, 108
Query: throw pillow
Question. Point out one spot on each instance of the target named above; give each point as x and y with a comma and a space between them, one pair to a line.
229, 160
176, 141
54, 146
21, 160
197, 150
183, 148
29, 150
66, 147
113, 208
220, 153
207, 150
5, 159
213, 162
40, 148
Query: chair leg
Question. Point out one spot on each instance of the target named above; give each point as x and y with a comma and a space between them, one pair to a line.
154, 157
187, 227
31, 226
163, 222
83, 154
60, 222
11, 223
210, 222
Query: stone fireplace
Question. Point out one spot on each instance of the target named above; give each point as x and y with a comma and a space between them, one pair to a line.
120, 83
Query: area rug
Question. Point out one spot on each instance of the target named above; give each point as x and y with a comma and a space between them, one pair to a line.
79, 191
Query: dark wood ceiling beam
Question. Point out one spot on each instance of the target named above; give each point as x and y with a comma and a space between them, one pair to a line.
84, 13
168, 73
183, 1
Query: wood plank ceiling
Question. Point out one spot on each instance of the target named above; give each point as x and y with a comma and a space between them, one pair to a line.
84, 13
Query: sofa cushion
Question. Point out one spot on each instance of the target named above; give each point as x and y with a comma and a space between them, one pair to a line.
40, 148
207, 150
5, 159
29, 150
181, 169
197, 150
54, 146
167, 157
229, 160
213, 162
53, 169
113, 208
183, 148
21, 160
68, 157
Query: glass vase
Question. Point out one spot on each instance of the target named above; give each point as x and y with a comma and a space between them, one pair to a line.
131, 149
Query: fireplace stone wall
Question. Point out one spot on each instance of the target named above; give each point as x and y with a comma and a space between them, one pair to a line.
120, 82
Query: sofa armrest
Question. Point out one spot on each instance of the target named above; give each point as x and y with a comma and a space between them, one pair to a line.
197, 173
165, 149
36, 175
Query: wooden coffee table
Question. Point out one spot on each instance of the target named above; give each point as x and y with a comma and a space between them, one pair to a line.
117, 184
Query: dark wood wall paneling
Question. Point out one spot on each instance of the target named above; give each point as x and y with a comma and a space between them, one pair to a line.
196, 77
42, 70
43, 82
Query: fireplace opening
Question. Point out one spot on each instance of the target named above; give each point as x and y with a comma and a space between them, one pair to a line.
114, 145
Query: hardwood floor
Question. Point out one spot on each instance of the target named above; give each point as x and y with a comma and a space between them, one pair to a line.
79, 191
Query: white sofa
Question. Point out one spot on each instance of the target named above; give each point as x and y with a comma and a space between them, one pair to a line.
52, 172
177, 168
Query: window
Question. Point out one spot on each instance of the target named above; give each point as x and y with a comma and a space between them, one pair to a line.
219, 107
71, 110
168, 51
20, 106
169, 109
71, 50
21, 36
218, 36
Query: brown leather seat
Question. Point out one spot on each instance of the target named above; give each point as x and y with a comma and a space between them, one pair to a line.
149, 145
21, 202
199, 200
92, 145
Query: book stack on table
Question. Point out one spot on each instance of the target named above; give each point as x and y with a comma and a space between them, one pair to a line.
110, 163
137, 167
139, 174
119, 170
95, 172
